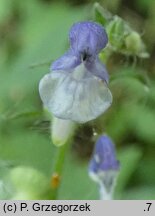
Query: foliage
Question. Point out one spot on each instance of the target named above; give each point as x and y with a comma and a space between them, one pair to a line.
33, 34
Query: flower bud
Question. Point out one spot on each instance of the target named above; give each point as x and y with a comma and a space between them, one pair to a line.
28, 181
133, 42
24, 195
104, 167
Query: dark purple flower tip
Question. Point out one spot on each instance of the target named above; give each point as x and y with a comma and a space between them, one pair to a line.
87, 38
104, 156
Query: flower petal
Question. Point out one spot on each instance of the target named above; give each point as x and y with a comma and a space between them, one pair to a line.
92, 98
88, 36
67, 97
67, 62
98, 69
54, 89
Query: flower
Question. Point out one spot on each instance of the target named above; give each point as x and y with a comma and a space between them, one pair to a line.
104, 166
76, 88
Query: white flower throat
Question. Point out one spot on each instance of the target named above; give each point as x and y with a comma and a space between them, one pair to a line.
80, 72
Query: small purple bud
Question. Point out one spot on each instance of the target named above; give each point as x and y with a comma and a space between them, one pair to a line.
104, 156
104, 166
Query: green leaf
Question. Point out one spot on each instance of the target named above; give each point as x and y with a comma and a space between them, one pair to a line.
101, 15
129, 160
76, 183
140, 193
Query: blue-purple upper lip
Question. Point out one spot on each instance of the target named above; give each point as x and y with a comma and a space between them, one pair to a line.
88, 36
86, 41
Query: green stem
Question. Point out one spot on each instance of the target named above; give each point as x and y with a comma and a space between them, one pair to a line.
60, 158
58, 167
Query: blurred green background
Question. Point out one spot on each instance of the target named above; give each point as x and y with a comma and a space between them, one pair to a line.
33, 33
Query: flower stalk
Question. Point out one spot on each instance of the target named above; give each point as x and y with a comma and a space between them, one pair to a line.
57, 172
